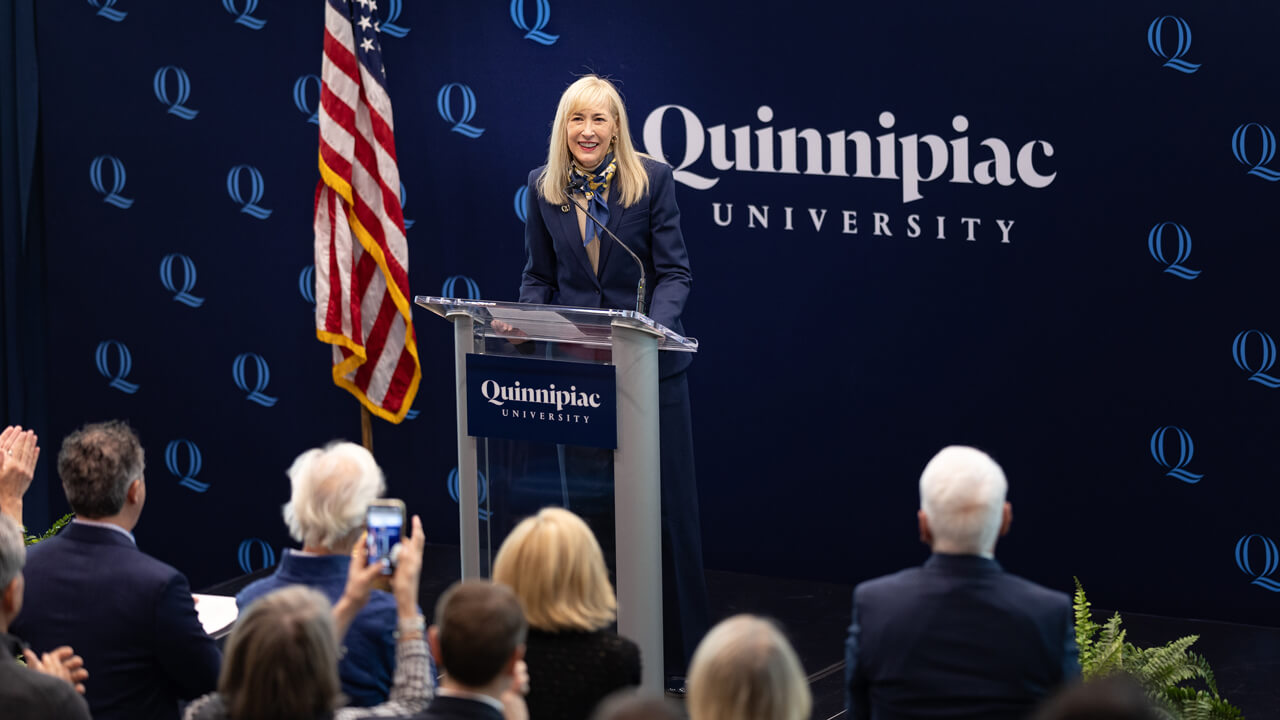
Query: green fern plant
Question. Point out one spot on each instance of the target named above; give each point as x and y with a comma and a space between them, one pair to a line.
53, 529
1162, 671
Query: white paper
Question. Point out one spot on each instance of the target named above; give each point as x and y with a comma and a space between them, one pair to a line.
216, 612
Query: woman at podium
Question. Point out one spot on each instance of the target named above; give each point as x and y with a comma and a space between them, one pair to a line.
595, 190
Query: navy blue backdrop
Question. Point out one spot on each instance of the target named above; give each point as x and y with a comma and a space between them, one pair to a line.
1047, 231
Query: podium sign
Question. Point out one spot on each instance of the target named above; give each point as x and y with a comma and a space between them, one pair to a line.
569, 403
608, 357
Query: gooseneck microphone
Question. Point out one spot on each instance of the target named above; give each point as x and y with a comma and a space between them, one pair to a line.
568, 191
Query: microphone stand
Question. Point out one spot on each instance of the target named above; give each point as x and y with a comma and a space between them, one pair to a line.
639, 288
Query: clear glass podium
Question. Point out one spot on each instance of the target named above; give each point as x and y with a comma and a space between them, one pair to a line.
617, 491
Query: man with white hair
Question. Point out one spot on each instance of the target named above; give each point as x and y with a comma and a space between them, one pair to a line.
958, 637
331, 489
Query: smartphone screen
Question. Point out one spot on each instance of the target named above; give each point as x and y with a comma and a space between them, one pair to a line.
385, 524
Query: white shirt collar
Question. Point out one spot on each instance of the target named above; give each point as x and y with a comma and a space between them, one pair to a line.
109, 526
467, 695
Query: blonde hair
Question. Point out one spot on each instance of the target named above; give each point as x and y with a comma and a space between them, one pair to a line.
630, 180
744, 669
282, 658
332, 488
555, 566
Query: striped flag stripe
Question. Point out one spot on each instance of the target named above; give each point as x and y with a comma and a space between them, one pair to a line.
362, 292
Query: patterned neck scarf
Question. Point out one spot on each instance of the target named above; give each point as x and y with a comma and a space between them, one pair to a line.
594, 186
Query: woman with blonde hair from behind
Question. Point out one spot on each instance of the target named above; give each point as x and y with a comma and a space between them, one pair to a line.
744, 669
555, 566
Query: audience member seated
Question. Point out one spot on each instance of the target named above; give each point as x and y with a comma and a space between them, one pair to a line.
282, 657
555, 566
628, 704
130, 616
478, 641
744, 669
958, 637
1110, 698
332, 488
43, 690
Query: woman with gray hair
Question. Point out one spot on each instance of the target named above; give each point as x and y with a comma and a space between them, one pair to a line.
332, 488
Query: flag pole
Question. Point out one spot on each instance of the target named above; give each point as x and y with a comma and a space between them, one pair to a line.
366, 428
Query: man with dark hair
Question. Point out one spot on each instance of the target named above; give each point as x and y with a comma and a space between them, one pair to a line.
129, 615
26, 694
478, 641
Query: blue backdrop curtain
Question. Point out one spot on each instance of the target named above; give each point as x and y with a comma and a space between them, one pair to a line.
22, 268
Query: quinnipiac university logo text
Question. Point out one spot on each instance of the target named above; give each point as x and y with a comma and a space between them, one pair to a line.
1180, 47
1186, 450
445, 106
263, 376
1240, 353
186, 474
1261, 572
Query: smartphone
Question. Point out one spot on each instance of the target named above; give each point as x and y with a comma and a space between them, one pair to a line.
385, 521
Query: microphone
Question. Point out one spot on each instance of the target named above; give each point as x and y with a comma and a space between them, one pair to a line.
568, 191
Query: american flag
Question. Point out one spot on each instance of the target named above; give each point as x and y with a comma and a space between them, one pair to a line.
362, 258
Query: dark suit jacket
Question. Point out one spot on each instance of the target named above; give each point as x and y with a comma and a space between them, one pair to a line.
127, 614
28, 695
557, 271
956, 638
452, 708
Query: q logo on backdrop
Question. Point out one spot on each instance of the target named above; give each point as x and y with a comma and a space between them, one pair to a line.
407, 222
1186, 449
1155, 244
534, 32
307, 284
1240, 148
256, 189
444, 105
124, 365
388, 24
113, 196
1240, 352
263, 377
245, 555
244, 18
311, 110
106, 9
522, 203
451, 286
1155, 41
186, 477
159, 84
182, 293
483, 490
1270, 561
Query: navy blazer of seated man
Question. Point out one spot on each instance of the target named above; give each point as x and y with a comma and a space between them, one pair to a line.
558, 272
129, 615
956, 638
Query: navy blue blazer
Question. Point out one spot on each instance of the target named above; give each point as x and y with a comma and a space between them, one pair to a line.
127, 614
558, 272
956, 638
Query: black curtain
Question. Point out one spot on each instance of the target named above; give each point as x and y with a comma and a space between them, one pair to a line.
23, 330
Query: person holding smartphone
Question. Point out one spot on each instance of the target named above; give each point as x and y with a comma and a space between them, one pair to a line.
332, 490
282, 657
